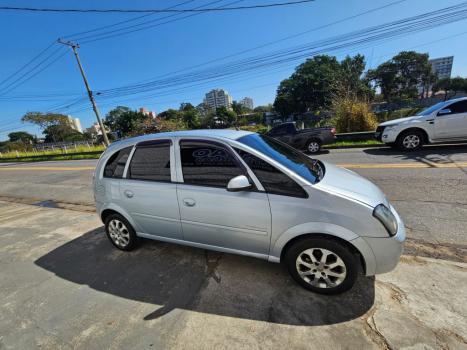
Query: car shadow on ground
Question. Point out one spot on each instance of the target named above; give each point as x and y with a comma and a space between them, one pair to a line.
177, 277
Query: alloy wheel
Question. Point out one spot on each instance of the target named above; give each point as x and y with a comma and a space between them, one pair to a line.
119, 233
313, 147
411, 141
321, 268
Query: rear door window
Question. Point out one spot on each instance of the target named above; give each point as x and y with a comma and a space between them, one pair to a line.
151, 162
116, 163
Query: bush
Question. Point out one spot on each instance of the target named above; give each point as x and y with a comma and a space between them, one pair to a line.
259, 128
353, 116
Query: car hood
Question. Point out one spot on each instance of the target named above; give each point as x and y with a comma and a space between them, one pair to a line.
346, 183
399, 121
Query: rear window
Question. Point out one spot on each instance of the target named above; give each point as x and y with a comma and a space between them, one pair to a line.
116, 163
151, 162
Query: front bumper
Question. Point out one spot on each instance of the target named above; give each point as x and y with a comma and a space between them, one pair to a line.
381, 254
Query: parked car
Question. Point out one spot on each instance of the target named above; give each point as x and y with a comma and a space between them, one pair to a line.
309, 140
442, 122
245, 193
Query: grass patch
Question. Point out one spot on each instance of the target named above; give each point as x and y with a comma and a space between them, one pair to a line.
58, 151
343, 144
49, 157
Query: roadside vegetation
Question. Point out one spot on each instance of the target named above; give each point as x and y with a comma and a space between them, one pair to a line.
322, 91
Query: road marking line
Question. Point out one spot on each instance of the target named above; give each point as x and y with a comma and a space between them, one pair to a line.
49, 168
404, 165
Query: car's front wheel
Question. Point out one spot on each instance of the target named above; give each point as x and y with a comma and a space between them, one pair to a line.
322, 265
410, 140
120, 232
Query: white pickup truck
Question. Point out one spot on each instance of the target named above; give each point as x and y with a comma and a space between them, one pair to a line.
442, 122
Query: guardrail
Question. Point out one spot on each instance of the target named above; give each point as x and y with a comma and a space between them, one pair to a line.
356, 136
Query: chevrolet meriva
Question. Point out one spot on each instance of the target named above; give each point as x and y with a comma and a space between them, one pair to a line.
245, 193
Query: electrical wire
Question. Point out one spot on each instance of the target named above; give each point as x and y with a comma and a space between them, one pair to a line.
213, 9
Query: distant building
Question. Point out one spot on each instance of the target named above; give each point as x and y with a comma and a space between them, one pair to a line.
218, 98
442, 67
247, 102
74, 123
95, 129
146, 112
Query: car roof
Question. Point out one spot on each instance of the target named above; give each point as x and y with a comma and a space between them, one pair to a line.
208, 133
456, 99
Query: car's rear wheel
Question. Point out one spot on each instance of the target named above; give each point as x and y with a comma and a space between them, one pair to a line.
313, 146
410, 140
120, 232
322, 265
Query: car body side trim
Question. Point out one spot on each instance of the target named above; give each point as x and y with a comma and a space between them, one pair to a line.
230, 228
203, 246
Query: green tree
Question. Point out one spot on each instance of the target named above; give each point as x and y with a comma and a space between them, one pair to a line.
402, 76
170, 114
125, 121
61, 132
450, 86
21, 136
55, 126
44, 120
225, 117
316, 83
263, 109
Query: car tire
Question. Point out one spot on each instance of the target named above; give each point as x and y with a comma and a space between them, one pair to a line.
322, 265
313, 146
409, 141
120, 232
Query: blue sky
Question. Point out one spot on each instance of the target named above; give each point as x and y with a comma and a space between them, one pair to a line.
150, 53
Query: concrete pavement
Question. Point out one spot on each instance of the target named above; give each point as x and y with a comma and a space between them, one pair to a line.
65, 286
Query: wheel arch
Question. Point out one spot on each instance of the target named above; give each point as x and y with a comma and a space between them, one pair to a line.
426, 138
342, 241
114, 209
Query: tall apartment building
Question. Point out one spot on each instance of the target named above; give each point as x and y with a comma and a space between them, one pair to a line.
218, 98
74, 123
442, 67
247, 102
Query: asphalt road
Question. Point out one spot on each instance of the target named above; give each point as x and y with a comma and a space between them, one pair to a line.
428, 187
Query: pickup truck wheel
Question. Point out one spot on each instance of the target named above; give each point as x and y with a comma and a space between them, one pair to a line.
410, 140
313, 146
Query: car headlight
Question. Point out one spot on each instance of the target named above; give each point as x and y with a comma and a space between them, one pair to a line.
391, 128
386, 217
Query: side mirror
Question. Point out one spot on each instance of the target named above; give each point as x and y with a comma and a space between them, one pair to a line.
239, 183
444, 111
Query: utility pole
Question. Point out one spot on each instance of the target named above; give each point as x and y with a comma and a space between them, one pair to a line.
91, 97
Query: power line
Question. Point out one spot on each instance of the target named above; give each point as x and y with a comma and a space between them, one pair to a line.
138, 27
78, 36
358, 38
20, 82
27, 63
76, 10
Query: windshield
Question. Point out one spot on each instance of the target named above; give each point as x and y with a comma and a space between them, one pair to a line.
431, 109
310, 169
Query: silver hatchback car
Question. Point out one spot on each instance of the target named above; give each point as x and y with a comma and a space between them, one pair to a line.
245, 193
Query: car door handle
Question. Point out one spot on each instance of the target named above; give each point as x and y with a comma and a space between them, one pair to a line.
189, 202
128, 193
